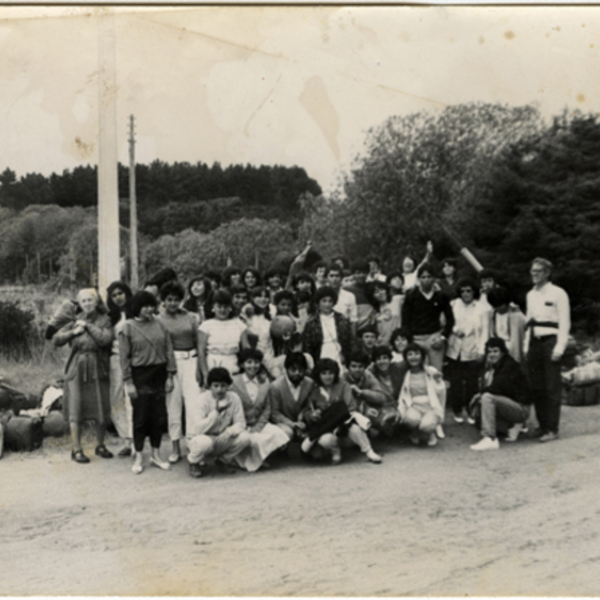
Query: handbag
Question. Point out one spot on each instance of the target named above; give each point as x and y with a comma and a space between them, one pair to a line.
333, 416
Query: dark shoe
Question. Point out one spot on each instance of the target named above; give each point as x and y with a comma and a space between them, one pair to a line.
79, 456
224, 467
196, 470
124, 452
103, 451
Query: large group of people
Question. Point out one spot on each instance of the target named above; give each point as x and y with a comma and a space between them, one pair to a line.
240, 364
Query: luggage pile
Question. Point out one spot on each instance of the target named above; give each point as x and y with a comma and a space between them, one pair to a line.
25, 419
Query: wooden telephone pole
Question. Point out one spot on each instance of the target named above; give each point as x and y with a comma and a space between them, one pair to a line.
133, 238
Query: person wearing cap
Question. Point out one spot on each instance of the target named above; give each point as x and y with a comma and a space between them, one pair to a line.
548, 324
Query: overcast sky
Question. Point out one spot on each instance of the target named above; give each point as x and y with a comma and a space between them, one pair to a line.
276, 85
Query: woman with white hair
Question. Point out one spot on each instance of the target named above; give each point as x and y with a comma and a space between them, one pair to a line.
86, 387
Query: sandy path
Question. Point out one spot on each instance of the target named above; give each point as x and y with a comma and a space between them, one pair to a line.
442, 521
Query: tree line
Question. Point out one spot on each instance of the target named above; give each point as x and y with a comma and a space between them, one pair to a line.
498, 179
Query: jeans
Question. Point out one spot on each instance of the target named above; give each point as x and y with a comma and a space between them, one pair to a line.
494, 408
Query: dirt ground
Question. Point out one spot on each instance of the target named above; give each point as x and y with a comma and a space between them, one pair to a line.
427, 522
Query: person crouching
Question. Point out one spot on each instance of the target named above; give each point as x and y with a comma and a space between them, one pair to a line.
504, 396
216, 424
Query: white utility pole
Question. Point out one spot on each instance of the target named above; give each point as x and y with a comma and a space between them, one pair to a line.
133, 226
109, 266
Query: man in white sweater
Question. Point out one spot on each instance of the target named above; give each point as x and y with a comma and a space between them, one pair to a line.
548, 325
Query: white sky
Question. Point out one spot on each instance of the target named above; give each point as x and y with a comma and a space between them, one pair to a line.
277, 85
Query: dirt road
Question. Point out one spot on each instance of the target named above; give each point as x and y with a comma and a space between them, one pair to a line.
441, 521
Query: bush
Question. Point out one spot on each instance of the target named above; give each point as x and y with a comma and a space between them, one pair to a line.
16, 331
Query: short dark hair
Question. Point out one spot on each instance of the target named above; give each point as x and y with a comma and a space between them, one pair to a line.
412, 347
249, 353
382, 351
162, 277
326, 291
496, 342
334, 267
213, 275
358, 356
368, 329
141, 299
227, 273
222, 297
488, 274
295, 359
272, 273
361, 266
450, 261
326, 364
283, 295
172, 288
466, 282
498, 296
426, 268
238, 289
400, 332
218, 375
321, 264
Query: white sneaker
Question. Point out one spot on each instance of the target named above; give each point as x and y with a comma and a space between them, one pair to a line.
373, 457
306, 445
470, 420
439, 431
458, 418
513, 432
174, 458
161, 464
336, 456
486, 443
432, 441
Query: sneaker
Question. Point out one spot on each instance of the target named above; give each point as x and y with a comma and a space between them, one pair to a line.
175, 457
137, 469
373, 457
439, 431
470, 420
432, 441
161, 464
336, 456
195, 470
549, 436
486, 443
513, 432
306, 445
458, 418
124, 452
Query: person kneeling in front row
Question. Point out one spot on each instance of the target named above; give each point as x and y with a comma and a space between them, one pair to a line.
216, 424
504, 396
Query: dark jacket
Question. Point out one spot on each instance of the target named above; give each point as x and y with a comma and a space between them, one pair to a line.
509, 380
422, 316
312, 336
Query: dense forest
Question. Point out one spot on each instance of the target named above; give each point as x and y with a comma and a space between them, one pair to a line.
497, 179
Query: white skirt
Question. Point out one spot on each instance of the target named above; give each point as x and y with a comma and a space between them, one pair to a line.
261, 445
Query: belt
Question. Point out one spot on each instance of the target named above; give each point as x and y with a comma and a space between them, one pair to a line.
541, 338
533, 323
185, 353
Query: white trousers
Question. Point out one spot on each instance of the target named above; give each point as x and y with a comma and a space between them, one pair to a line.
185, 389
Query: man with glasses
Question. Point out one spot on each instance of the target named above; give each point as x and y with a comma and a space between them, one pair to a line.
548, 324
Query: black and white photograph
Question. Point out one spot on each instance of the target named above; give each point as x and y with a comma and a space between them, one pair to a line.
299, 300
